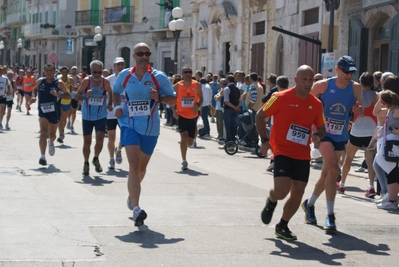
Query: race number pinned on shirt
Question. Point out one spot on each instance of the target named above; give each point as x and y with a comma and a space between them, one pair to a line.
96, 100
298, 134
139, 108
19, 87
187, 102
334, 127
47, 107
2, 91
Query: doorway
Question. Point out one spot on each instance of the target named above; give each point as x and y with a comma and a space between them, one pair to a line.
226, 57
380, 46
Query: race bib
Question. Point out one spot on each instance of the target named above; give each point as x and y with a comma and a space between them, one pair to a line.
187, 102
334, 127
28, 84
139, 108
96, 100
47, 107
298, 134
2, 91
19, 87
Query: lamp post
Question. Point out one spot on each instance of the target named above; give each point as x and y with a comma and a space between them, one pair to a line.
97, 38
176, 26
19, 46
1, 48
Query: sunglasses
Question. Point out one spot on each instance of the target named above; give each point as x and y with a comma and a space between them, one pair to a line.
316, 80
347, 72
140, 54
188, 72
96, 72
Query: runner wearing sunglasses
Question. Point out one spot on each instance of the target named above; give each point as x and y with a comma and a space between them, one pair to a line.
338, 95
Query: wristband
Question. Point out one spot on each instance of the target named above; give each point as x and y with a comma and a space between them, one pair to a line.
118, 107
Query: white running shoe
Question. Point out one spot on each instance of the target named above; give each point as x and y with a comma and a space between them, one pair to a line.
51, 149
118, 156
111, 164
388, 205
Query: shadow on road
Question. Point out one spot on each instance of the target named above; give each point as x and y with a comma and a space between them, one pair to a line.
148, 238
191, 172
301, 251
94, 181
47, 169
118, 173
347, 242
65, 146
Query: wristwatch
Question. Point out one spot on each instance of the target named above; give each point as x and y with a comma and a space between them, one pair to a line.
264, 139
160, 99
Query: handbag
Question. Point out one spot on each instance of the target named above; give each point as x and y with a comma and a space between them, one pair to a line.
391, 147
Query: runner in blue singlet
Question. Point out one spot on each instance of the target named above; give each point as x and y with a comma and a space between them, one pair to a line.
338, 95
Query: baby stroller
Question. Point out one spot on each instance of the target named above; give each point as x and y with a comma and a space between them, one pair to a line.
247, 120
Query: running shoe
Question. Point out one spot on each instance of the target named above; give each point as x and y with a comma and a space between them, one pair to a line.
17, 108
361, 169
72, 129
139, 216
370, 193
97, 164
51, 149
86, 168
194, 144
42, 162
129, 203
1, 127
184, 165
271, 167
8, 127
284, 233
267, 212
383, 198
111, 164
118, 156
340, 189
388, 205
330, 223
310, 217
68, 125
60, 139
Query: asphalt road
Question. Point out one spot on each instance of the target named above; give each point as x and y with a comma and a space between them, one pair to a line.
207, 216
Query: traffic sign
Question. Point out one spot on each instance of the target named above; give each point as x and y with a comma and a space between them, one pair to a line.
27, 52
53, 58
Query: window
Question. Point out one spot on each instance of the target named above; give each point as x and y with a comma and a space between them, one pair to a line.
46, 17
311, 16
54, 17
259, 28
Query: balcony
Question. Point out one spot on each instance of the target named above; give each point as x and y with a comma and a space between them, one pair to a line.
86, 20
38, 31
16, 19
119, 17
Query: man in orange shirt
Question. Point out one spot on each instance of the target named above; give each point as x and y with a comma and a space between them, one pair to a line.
290, 140
28, 85
188, 100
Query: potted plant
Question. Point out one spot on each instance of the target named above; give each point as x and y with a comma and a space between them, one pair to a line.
55, 32
68, 26
45, 25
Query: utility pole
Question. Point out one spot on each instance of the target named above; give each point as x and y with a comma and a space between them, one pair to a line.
331, 5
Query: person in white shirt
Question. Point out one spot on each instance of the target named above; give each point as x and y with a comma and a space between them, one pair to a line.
206, 107
112, 121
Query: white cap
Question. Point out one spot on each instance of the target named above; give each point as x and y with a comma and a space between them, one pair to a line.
119, 59
74, 67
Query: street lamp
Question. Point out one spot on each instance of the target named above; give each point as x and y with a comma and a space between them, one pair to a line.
19, 46
97, 38
1, 48
176, 26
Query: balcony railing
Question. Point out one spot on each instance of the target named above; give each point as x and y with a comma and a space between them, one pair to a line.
16, 18
119, 14
88, 17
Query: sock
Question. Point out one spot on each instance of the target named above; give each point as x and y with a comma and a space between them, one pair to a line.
312, 200
95, 158
43, 156
371, 187
283, 223
271, 203
330, 207
341, 184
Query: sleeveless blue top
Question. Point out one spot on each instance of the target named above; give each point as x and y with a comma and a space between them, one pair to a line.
95, 107
337, 105
47, 101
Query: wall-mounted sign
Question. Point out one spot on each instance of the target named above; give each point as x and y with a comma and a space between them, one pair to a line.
373, 3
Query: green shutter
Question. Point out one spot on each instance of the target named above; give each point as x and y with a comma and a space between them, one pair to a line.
95, 12
54, 17
46, 17
175, 3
